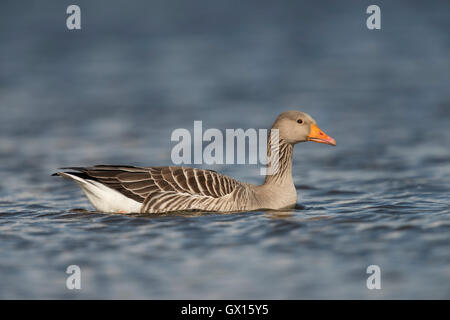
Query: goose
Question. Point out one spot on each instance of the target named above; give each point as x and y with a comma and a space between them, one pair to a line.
166, 189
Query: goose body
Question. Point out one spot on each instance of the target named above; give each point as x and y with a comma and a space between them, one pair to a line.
133, 189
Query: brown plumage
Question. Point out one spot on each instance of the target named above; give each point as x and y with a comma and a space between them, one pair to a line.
128, 189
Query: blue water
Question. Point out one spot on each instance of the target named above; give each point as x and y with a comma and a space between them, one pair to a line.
113, 93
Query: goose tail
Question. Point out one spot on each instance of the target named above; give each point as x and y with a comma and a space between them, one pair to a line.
102, 197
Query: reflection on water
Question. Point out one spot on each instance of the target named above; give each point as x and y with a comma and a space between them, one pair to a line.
114, 92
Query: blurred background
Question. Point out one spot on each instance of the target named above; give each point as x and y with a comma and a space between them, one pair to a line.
113, 92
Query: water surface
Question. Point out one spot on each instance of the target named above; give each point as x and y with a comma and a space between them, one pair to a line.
113, 93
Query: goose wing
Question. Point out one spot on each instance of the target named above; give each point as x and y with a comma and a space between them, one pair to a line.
163, 189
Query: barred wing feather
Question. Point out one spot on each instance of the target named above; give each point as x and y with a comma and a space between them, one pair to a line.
170, 188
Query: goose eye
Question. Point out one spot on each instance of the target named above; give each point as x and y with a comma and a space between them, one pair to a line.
300, 121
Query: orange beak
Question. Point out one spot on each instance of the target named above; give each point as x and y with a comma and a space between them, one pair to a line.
317, 135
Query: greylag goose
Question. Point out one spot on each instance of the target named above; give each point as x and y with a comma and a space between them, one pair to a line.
131, 189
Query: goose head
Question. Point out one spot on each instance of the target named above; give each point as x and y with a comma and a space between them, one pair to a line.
296, 126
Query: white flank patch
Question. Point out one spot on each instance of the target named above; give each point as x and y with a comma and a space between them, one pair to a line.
103, 198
